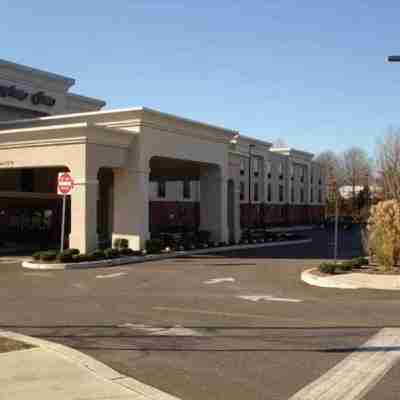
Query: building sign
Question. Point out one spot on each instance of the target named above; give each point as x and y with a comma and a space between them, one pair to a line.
6, 163
21, 95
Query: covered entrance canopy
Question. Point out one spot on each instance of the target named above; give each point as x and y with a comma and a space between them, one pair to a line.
136, 145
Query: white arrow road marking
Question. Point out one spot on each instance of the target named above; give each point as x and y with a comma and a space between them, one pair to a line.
357, 374
270, 298
111, 275
175, 331
219, 280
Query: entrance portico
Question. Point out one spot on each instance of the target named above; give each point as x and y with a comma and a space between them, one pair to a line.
124, 142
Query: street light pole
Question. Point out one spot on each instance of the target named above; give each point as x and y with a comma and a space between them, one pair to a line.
249, 200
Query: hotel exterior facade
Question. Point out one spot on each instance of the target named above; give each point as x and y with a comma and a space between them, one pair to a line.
137, 171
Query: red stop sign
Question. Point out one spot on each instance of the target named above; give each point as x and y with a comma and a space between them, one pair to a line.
65, 183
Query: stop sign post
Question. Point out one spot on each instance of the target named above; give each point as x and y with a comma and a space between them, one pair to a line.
65, 185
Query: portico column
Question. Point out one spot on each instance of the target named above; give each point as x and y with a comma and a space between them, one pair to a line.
213, 203
84, 215
131, 206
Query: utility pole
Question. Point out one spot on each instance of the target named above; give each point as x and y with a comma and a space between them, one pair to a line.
250, 171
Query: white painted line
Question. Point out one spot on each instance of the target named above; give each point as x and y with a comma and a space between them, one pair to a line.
270, 298
357, 374
219, 280
115, 275
174, 331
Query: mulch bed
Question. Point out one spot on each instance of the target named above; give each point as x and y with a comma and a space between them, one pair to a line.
7, 345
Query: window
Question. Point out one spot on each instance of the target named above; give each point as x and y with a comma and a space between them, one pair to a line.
256, 191
269, 192
292, 194
312, 178
281, 197
280, 171
302, 174
312, 195
27, 178
241, 190
186, 189
301, 195
319, 196
161, 189
242, 167
256, 166
268, 169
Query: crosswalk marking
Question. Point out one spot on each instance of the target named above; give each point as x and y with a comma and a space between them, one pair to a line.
358, 373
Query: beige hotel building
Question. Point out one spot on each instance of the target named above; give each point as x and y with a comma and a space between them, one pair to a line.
137, 171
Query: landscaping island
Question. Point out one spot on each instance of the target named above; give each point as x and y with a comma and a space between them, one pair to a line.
155, 249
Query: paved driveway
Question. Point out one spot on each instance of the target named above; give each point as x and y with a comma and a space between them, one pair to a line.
239, 325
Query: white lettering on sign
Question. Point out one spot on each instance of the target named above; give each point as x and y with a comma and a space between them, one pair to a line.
6, 163
65, 184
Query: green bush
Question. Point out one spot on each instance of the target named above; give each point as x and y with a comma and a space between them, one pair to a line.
73, 251
49, 255
81, 258
125, 251
327, 268
111, 253
65, 256
154, 245
97, 255
121, 243
37, 255
345, 266
360, 261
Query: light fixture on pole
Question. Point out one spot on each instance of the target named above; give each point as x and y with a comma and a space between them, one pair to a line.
393, 59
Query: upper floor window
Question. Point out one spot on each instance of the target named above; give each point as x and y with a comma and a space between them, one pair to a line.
268, 169
281, 194
161, 189
241, 190
312, 195
280, 170
301, 195
320, 196
256, 191
269, 192
302, 174
256, 166
292, 194
186, 189
242, 166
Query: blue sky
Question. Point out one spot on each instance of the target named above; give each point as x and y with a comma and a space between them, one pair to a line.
306, 71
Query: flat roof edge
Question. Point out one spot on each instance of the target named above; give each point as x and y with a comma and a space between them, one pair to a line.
35, 71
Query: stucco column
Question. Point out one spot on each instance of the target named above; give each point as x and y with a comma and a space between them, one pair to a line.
131, 206
214, 203
84, 215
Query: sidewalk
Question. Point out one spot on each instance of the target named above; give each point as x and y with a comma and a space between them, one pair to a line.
53, 371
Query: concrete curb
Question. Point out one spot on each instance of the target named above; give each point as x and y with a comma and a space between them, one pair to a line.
94, 366
156, 257
352, 280
323, 281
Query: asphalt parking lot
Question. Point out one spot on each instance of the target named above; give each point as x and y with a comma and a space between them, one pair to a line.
234, 325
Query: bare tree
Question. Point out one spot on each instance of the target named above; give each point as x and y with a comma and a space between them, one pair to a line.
388, 164
357, 168
331, 165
